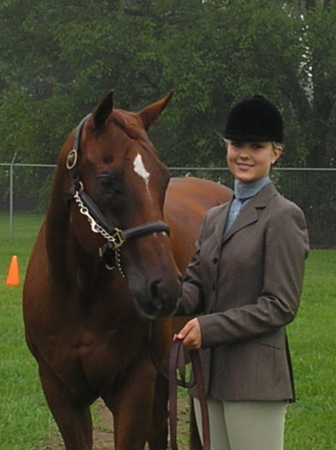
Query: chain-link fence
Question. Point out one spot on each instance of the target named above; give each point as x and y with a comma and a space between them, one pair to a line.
25, 188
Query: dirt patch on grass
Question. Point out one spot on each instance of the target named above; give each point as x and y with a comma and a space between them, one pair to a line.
103, 429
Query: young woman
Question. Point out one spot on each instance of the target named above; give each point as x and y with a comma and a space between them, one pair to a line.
245, 282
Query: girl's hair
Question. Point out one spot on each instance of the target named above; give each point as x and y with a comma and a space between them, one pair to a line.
277, 144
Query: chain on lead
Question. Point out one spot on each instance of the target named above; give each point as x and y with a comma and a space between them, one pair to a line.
95, 228
98, 229
118, 261
85, 212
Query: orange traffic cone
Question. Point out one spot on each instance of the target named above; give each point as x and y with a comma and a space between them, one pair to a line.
13, 272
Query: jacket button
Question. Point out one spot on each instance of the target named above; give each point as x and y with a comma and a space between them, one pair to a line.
215, 261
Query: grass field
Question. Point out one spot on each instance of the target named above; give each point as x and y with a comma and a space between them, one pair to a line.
25, 422
24, 419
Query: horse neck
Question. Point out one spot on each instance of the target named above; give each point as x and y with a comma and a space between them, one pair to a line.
64, 253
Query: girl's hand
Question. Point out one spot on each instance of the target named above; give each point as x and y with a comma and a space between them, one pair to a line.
191, 335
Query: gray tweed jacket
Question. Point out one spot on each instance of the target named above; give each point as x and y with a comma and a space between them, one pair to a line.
247, 286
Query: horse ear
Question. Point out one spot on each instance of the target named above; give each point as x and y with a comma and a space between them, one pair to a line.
149, 114
103, 110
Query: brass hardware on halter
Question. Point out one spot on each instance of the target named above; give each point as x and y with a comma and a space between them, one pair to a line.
118, 240
71, 159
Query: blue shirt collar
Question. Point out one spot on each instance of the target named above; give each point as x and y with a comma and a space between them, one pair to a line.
246, 190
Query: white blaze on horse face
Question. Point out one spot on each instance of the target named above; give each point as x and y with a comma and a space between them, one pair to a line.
140, 169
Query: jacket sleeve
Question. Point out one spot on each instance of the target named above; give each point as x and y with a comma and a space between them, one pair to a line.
286, 247
192, 302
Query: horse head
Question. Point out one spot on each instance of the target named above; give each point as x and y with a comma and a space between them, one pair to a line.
116, 202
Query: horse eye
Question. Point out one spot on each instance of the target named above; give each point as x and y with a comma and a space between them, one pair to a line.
106, 183
109, 185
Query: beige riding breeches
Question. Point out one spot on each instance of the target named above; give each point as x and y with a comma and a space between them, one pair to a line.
244, 425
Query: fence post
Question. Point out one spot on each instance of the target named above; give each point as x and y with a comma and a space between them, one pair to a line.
11, 197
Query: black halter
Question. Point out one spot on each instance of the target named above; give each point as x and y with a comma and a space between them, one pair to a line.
98, 222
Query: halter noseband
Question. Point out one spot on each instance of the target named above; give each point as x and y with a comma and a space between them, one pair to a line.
99, 224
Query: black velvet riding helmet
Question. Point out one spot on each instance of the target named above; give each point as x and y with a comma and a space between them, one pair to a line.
254, 119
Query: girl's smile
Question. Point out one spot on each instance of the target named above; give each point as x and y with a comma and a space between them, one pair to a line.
250, 161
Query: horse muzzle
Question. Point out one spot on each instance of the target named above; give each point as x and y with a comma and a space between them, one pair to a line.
159, 298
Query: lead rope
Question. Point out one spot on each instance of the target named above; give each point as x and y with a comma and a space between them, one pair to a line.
177, 364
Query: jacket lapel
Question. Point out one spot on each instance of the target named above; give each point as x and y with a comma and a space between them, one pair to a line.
221, 219
250, 212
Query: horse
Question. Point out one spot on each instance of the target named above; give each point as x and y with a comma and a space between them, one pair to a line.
107, 262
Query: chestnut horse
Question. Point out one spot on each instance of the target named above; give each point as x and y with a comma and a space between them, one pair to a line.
107, 261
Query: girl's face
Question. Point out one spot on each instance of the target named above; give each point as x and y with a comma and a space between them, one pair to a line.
250, 161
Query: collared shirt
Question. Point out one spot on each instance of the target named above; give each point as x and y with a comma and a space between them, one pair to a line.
248, 190
242, 193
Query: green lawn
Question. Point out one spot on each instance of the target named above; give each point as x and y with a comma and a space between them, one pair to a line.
25, 422
24, 419
311, 420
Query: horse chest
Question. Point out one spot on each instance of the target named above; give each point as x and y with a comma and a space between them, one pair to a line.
95, 354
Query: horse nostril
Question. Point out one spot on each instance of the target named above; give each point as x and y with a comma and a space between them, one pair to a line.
155, 290
164, 295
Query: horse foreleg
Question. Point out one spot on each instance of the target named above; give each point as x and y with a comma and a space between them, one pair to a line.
73, 419
132, 406
159, 431
158, 437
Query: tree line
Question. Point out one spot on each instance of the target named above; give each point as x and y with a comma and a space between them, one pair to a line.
59, 57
